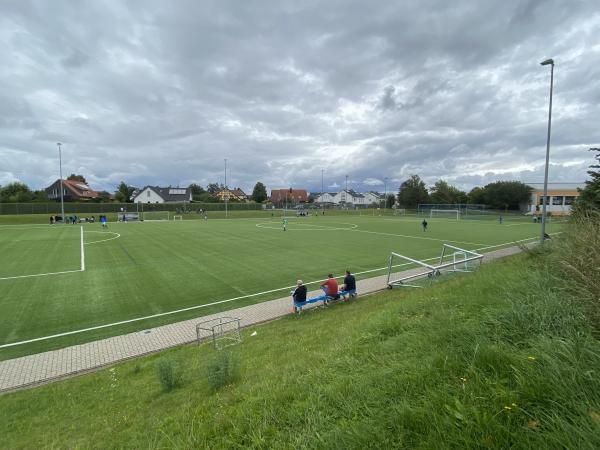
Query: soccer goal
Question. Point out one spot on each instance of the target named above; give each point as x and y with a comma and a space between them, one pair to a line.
399, 212
448, 213
149, 216
177, 217
452, 259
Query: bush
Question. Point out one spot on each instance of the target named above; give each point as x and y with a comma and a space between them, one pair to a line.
170, 374
222, 369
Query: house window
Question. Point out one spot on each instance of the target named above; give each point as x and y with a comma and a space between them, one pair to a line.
557, 200
569, 200
147, 193
541, 200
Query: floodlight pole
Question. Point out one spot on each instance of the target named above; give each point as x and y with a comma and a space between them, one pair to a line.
385, 195
226, 190
322, 193
62, 203
545, 198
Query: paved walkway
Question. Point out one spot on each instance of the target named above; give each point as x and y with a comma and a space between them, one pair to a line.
40, 368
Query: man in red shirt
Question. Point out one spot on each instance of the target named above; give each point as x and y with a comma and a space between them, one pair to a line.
330, 286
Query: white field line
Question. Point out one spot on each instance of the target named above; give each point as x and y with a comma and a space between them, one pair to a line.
82, 252
415, 237
138, 319
102, 240
81, 269
40, 274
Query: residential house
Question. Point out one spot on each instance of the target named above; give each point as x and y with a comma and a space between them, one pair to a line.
155, 194
232, 194
72, 191
280, 197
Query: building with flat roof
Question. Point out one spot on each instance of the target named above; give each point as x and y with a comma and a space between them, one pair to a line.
560, 198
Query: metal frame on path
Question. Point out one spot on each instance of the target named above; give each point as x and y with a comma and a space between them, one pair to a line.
431, 270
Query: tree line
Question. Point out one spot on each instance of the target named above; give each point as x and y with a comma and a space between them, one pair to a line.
496, 195
18, 192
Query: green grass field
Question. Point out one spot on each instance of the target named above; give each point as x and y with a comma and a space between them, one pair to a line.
135, 270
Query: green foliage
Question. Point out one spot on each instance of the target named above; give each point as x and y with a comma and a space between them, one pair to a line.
15, 192
506, 194
259, 193
442, 192
222, 369
213, 188
124, 193
390, 200
589, 197
412, 192
77, 178
476, 196
169, 373
579, 260
197, 192
40, 196
103, 197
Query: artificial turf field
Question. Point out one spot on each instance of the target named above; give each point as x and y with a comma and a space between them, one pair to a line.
134, 270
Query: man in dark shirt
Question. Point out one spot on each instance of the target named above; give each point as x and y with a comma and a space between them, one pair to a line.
349, 283
299, 294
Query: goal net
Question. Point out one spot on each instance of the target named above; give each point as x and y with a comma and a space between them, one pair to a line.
448, 213
155, 215
177, 217
399, 212
452, 259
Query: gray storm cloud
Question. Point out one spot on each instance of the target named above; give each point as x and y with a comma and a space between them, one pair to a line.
153, 92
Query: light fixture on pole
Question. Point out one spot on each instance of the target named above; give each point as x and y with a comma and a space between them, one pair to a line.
226, 190
62, 203
547, 62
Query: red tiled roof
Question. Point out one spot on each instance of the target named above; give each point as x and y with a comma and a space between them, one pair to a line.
279, 195
80, 189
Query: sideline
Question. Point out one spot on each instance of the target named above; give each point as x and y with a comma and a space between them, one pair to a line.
191, 308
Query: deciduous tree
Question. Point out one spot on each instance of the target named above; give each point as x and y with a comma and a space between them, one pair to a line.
259, 193
412, 192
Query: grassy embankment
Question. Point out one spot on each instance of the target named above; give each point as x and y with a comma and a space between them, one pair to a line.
504, 358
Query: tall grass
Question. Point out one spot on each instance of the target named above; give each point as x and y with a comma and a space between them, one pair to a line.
578, 260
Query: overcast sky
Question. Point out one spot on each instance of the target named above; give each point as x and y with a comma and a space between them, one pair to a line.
160, 92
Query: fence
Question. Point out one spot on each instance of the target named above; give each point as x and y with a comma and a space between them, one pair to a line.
99, 208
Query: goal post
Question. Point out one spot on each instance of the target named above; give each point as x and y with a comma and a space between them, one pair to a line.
452, 259
449, 213
177, 217
149, 216
399, 212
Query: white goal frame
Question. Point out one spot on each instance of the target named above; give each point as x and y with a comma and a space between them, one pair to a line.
460, 259
177, 217
399, 212
149, 216
453, 211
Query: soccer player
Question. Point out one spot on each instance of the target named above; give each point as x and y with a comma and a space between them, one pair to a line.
103, 221
500, 219
424, 225
330, 287
284, 223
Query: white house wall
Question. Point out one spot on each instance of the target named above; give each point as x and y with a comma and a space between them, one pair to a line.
148, 196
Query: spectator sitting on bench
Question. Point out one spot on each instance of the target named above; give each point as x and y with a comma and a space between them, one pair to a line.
299, 294
349, 284
330, 287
